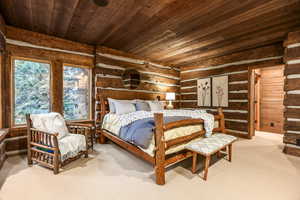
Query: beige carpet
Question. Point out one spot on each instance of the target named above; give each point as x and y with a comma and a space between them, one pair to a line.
259, 171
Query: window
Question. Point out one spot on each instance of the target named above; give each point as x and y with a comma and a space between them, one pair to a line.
76, 93
31, 89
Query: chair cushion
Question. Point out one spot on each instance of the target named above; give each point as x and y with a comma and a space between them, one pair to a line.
71, 145
209, 145
51, 123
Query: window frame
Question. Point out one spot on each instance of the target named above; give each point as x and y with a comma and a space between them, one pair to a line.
12, 84
89, 90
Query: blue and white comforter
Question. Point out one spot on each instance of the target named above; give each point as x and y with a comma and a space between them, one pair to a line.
137, 127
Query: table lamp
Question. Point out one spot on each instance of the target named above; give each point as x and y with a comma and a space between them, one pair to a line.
170, 97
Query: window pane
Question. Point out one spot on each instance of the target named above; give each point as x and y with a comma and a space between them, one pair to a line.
31, 89
76, 93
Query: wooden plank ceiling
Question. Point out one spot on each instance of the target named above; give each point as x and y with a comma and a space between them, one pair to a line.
177, 32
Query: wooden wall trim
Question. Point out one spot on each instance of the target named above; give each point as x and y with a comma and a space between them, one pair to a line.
233, 64
26, 44
43, 40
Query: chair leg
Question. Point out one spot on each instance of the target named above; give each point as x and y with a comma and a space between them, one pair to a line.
29, 158
206, 165
194, 166
230, 152
56, 162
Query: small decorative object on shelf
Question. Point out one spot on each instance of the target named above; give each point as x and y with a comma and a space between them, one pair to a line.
170, 97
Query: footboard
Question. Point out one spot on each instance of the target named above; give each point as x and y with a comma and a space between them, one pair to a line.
162, 145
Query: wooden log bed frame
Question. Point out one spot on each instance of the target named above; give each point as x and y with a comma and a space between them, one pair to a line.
160, 160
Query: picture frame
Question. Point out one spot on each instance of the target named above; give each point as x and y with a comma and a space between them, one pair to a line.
204, 92
220, 91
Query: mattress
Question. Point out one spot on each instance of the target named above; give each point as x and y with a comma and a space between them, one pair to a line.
111, 123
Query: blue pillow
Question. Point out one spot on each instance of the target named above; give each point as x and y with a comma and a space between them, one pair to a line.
142, 106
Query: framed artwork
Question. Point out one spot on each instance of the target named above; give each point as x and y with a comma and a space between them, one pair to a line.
220, 91
204, 92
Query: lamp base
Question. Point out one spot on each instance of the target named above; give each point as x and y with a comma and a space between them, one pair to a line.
170, 105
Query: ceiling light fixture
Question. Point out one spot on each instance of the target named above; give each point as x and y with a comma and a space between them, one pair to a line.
101, 3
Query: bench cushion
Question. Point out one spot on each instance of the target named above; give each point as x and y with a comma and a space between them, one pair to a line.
210, 145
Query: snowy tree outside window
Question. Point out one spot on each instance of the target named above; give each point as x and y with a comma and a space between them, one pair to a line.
76, 93
31, 89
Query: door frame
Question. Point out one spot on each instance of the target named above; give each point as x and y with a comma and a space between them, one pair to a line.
251, 96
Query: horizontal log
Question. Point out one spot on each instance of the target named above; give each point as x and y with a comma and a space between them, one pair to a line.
292, 54
13, 145
239, 126
118, 83
107, 71
292, 100
212, 72
292, 84
292, 125
292, 113
130, 65
238, 96
46, 40
291, 150
41, 54
236, 115
292, 69
188, 83
238, 77
189, 97
224, 70
17, 132
252, 54
291, 138
293, 38
236, 87
192, 89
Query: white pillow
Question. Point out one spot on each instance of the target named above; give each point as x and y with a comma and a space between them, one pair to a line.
111, 103
124, 107
155, 105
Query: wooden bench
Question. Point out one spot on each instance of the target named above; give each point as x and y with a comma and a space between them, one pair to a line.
209, 146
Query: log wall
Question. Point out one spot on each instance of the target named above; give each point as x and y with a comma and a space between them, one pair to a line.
30, 45
237, 66
156, 79
292, 97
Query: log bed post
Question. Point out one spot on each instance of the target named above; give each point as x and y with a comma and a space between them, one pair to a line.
160, 149
29, 158
102, 139
222, 120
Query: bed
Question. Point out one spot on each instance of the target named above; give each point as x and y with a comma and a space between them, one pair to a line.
171, 132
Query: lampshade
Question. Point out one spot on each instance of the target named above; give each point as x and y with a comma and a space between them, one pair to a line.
170, 96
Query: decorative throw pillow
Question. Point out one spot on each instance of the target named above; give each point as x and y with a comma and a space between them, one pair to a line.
155, 105
124, 107
140, 105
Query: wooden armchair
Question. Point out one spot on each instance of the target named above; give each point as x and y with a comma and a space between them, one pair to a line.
43, 147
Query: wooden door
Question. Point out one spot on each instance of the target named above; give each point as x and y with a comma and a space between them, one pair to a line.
271, 99
257, 99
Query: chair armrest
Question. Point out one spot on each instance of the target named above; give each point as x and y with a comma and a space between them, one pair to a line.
43, 139
80, 125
